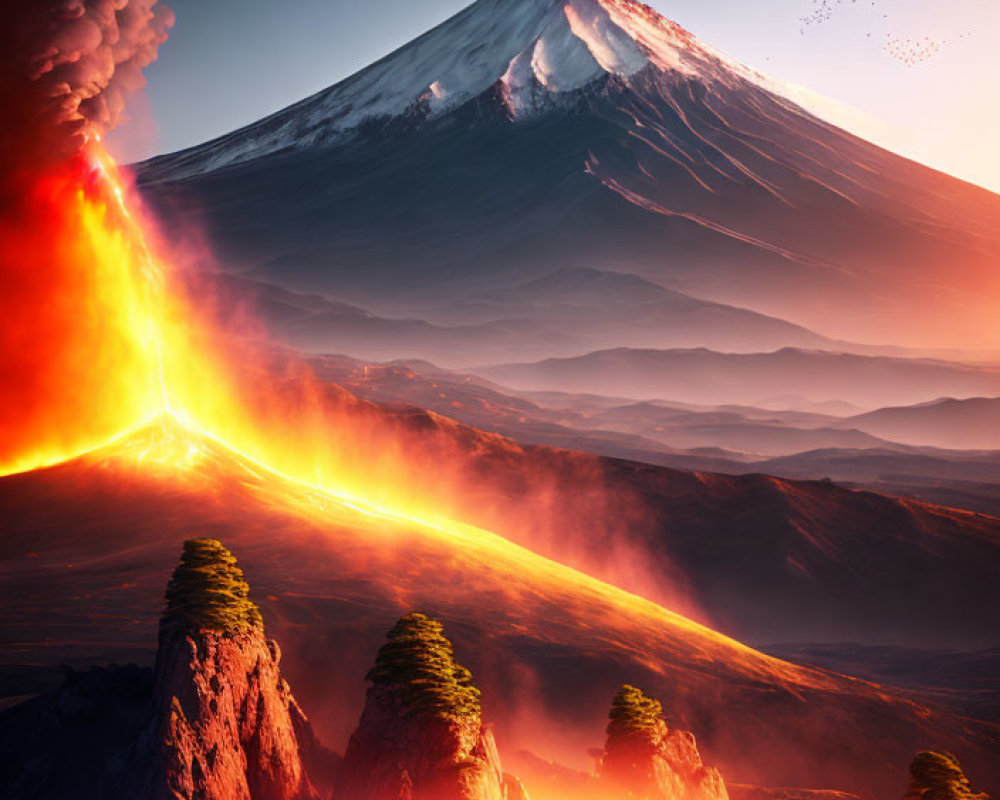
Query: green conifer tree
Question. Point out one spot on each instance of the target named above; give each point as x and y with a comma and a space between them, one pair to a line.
207, 592
419, 659
937, 775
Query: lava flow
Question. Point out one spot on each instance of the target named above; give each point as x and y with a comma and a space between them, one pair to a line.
105, 327
105, 340
101, 335
85, 310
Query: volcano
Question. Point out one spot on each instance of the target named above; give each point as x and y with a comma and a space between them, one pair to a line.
88, 545
586, 151
524, 137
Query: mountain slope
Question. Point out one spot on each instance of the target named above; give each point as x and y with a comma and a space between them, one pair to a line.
767, 559
598, 306
312, 323
538, 636
521, 137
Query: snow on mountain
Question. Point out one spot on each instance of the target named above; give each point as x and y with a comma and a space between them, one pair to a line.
532, 52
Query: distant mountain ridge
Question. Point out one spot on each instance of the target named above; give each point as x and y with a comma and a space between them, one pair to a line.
706, 377
971, 423
732, 439
561, 314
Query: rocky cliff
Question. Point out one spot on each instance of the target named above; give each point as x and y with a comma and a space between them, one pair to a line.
421, 734
225, 725
643, 758
214, 720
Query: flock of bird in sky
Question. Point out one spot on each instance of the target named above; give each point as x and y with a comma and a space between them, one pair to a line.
909, 50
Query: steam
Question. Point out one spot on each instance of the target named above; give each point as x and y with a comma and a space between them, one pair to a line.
69, 66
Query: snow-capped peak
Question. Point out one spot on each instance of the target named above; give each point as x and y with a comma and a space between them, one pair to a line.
532, 50
574, 47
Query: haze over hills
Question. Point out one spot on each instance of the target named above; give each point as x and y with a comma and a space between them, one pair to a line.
728, 439
599, 306
705, 377
562, 314
618, 427
522, 138
967, 424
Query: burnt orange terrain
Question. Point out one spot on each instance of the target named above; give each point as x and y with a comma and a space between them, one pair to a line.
88, 545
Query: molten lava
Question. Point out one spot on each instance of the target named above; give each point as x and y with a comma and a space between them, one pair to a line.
103, 327
100, 337
79, 338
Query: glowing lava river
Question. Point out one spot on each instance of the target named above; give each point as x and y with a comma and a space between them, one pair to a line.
104, 336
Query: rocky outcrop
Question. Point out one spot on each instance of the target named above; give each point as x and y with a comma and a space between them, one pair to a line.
646, 760
938, 776
421, 735
61, 744
214, 720
225, 725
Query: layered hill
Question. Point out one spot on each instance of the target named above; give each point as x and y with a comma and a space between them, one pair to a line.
707, 377
563, 314
83, 563
966, 424
731, 439
518, 139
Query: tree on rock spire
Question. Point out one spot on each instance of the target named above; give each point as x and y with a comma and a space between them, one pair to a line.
208, 592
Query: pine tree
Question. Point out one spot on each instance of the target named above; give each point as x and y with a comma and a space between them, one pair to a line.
632, 713
208, 592
419, 659
938, 776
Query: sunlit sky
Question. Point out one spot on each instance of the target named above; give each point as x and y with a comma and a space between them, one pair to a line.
229, 63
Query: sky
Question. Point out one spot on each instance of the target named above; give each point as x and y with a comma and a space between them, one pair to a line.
229, 63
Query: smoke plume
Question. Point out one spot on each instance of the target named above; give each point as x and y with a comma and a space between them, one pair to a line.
67, 67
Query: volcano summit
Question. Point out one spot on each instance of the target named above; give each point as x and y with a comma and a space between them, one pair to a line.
525, 136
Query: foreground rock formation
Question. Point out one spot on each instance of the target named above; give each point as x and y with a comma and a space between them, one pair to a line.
225, 726
214, 720
643, 758
421, 733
